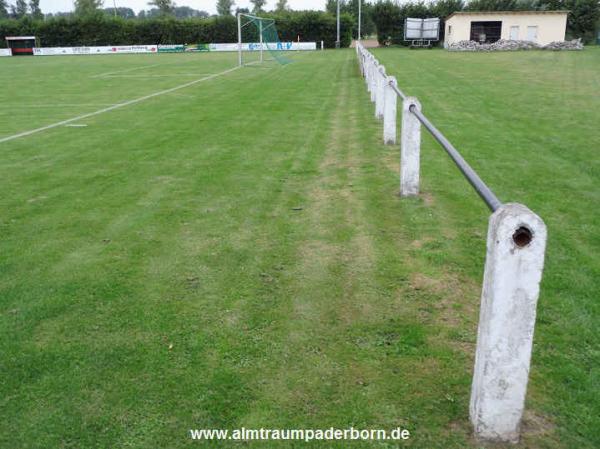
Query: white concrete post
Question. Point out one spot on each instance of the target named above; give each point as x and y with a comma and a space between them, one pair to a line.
373, 80
380, 93
516, 244
363, 60
390, 112
410, 149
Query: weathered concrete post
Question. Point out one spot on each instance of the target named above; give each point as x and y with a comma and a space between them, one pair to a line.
373, 80
390, 112
380, 93
368, 70
361, 58
516, 244
410, 149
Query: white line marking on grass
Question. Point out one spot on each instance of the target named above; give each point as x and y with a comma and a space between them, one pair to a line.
58, 105
76, 125
124, 71
116, 106
155, 76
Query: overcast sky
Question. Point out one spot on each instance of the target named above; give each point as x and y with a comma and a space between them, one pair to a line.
204, 5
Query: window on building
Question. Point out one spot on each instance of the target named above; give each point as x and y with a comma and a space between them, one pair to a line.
449, 29
514, 33
532, 33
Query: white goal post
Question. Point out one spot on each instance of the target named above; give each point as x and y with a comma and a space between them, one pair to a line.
262, 23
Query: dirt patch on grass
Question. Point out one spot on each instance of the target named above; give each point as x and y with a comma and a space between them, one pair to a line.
451, 302
418, 244
391, 160
427, 198
537, 426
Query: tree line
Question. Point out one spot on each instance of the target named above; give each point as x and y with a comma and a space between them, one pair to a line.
23, 8
101, 29
382, 17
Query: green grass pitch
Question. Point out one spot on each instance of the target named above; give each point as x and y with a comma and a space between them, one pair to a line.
234, 253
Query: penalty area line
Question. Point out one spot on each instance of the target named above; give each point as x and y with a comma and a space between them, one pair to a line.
102, 75
116, 106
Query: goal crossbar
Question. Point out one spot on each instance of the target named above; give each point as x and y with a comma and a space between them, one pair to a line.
262, 24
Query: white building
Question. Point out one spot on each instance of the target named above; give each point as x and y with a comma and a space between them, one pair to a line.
541, 27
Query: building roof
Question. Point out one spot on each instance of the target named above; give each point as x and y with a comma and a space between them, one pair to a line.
485, 13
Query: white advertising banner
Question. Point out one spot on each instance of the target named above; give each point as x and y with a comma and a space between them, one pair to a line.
104, 50
283, 46
5, 52
135, 49
110, 50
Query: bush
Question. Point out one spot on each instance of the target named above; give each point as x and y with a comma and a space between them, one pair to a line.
100, 29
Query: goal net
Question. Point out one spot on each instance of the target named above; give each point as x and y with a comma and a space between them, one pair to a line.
258, 40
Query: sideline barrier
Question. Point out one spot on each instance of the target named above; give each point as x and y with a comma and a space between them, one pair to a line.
255, 46
103, 50
5, 52
130, 49
516, 245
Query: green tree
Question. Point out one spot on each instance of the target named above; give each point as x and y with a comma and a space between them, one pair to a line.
582, 20
281, 6
20, 9
224, 7
125, 13
331, 6
528, 5
258, 5
3, 9
87, 7
185, 12
492, 5
351, 7
164, 6
34, 8
442, 9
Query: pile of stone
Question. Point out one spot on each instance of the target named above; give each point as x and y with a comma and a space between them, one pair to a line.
510, 45
575, 44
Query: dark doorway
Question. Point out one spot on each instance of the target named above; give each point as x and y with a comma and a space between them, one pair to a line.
486, 32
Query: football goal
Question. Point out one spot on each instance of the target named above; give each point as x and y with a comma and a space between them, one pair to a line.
258, 40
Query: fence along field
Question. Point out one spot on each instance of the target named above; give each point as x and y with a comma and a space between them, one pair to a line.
516, 246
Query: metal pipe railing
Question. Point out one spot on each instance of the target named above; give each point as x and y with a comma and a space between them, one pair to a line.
480, 187
398, 91
486, 194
